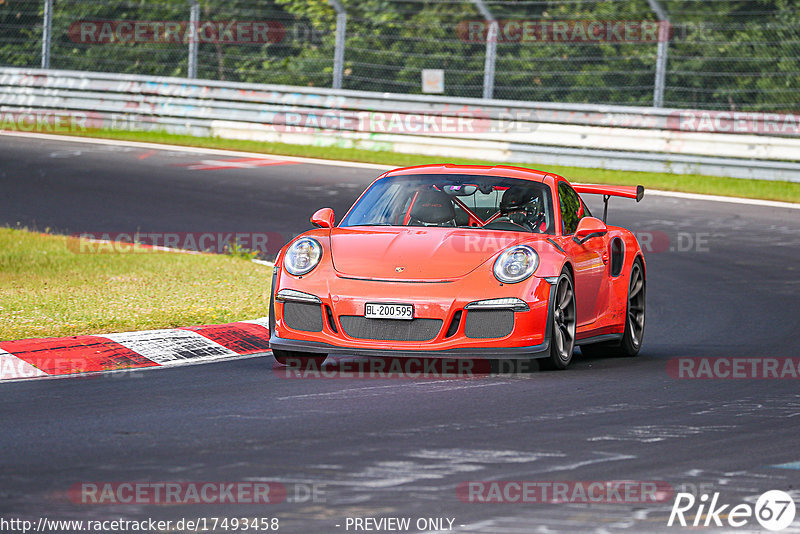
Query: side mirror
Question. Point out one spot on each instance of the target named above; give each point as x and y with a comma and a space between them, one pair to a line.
589, 227
323, 218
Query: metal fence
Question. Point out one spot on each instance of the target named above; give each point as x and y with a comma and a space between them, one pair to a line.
703, 54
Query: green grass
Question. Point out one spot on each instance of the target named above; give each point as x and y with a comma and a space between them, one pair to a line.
689, 183
49, 288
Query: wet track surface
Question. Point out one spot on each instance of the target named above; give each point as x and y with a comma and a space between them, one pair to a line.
722, 282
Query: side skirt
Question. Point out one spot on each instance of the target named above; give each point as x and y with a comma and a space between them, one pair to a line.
599, 339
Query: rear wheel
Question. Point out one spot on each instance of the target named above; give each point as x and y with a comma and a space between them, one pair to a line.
632, 337
562, 339
299, 359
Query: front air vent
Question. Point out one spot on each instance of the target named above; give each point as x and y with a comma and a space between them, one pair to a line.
331, 322
390, 329
302, 316
485, 324
454, 324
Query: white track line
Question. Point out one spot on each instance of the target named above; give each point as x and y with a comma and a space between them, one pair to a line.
717, 198
354, 164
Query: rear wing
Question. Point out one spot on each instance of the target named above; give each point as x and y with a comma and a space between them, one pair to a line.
627, 191
608, 191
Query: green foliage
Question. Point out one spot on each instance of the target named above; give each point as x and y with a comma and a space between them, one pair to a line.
49, 288
238, 251
20, 33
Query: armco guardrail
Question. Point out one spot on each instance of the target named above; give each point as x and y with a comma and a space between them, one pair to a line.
744, 145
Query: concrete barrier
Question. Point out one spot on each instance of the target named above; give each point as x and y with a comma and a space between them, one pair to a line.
742, 145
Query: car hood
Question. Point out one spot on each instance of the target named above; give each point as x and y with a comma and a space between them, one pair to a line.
415, 253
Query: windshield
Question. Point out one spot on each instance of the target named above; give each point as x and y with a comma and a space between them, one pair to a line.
450, 200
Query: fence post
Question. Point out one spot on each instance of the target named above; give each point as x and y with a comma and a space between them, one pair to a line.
491, 49
661, 53
194, 22
338, 53
47, 32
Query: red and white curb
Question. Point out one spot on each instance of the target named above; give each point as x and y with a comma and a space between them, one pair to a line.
40, 358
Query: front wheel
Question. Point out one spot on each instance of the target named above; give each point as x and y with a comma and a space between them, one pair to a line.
562, 308
299, 359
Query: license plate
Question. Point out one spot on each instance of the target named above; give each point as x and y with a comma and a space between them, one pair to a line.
389, 311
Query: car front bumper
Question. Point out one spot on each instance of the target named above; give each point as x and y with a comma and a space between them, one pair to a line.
337, 324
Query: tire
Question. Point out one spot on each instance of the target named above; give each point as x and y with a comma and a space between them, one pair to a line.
633, 335
300, 359
562, 337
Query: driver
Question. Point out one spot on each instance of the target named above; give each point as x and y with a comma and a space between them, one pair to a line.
523, 206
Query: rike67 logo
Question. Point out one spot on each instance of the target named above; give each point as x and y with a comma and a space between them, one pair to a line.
774, 510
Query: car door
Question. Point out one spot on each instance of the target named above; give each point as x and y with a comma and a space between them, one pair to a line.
587, 258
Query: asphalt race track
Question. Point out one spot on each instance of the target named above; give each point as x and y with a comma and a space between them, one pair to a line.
725, 283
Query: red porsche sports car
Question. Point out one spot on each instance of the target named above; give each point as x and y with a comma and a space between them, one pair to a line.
462, 261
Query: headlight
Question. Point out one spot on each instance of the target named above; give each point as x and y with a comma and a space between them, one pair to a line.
516, 264
302, 256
